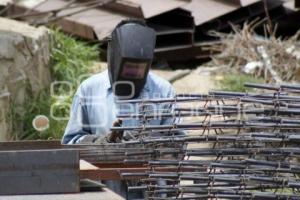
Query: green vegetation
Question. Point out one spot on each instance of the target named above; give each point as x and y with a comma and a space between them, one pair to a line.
236, 82
70, 59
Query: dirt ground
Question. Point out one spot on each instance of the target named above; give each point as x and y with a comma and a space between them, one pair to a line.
200, 80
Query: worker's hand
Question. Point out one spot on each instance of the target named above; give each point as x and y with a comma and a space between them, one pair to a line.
112, 137
116, 136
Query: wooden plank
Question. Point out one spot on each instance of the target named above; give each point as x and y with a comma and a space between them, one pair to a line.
106, 195
39, 172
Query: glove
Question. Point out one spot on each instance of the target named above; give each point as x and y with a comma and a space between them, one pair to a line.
112, 137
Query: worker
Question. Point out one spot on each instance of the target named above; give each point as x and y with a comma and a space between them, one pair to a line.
94, 108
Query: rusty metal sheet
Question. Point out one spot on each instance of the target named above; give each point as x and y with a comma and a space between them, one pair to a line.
155, 7
144, 8
91, 24
206, 10
127, 7
177, 53
39, 172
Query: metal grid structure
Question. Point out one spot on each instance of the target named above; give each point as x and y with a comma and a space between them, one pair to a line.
242, 145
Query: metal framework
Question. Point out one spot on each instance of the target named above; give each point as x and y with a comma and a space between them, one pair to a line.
242, 146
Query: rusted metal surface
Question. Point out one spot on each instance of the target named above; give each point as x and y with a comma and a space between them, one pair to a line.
156, 7
91, 24
181, 25
143, 8
206, 10
39, 172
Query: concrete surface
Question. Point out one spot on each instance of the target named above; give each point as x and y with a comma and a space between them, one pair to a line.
24, 58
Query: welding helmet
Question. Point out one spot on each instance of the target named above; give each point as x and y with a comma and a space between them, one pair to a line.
130, 54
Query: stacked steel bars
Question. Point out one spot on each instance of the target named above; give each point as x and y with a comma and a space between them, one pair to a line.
236, 145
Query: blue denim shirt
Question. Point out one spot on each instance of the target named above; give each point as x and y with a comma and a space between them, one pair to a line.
94, 107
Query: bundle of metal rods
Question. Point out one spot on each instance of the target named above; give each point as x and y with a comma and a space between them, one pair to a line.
224, 145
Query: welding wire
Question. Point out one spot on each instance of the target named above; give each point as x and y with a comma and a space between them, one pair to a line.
223, 191
163, 100
218, 186
284, 87
291, 88
237, 95
213, 110
244, 151
232, 180
164, 115
226, 195
259, 137
270, 102
213, 95
261, 86
276, 119
211, 125
230, 176
204, 96
164, 151
206, 163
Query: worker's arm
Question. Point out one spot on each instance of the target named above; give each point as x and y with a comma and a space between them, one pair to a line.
78, 125
79, 129
170, 108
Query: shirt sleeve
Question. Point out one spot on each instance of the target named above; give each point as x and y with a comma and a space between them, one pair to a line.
170, 108
78, 125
